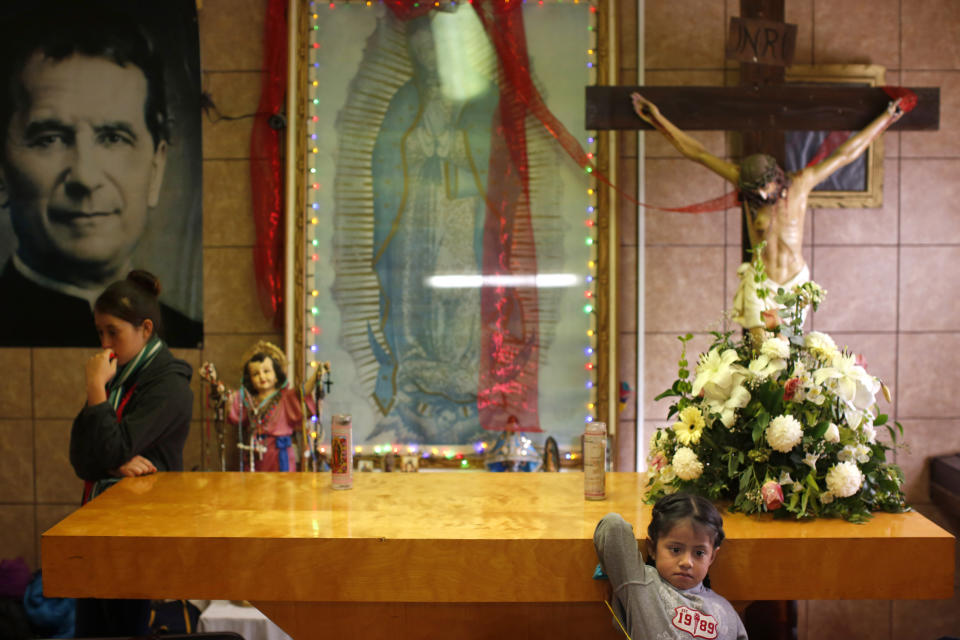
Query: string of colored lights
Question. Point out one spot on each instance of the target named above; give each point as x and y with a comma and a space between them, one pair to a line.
315, 194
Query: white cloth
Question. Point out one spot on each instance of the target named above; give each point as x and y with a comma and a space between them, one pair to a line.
223, 615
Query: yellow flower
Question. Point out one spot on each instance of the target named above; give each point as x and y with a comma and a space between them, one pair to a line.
690, 427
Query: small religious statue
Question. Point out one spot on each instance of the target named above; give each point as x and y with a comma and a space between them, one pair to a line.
512, 451
268, 410
774, 203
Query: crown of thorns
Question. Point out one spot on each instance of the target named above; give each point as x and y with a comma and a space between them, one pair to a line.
757, 171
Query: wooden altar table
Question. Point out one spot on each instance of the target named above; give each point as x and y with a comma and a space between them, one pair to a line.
459, 554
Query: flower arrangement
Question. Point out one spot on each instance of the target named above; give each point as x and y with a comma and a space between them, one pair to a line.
776, 420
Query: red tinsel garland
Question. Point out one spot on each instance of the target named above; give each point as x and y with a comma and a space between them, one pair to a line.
266, 167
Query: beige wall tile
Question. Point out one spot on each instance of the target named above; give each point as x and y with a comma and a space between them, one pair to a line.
231, 34
945, 142
628, 213
800, 13
627, 371
929, 193
929, 35
628, 44
625, 457
17, 532
928, 278
56, 480
862, 226
626, 293
684, 33
16, 451
857, 32
15, 391
678, 183
656, 146
227, 204
59, 382
847, 619
861, 288
926, 367
923, 440
235, 94
230, 292
684, 288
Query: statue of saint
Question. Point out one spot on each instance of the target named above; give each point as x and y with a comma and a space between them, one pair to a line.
774, 202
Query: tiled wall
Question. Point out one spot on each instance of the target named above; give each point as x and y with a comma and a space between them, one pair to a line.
893, 274
43, 388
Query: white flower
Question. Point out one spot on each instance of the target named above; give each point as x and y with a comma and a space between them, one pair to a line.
655, 440
863, 453
763, 366
785, 479
775, 349
686, 464
821, 345
869, 432
850, 381
784, 433
727, 408
826, 497
811, 460
717, 374
667, 475
832, 434
844, 479
848, 453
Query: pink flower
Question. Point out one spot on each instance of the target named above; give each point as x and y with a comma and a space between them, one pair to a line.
790, 389
659, 462
771, 319
772, 495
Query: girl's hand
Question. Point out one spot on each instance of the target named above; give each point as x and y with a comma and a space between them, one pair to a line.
135, 466
100, 368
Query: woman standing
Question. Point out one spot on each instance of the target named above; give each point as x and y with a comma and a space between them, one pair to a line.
135, 421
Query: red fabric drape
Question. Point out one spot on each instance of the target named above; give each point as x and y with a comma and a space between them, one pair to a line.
266, 167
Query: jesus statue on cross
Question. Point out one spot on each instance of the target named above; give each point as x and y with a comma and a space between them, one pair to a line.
774, 202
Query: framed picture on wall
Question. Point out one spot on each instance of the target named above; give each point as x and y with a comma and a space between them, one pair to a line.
451, 260
73, 219
859, 184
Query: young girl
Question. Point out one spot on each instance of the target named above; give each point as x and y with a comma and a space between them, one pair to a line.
668, 601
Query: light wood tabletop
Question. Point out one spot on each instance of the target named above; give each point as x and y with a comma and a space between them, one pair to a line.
455, 538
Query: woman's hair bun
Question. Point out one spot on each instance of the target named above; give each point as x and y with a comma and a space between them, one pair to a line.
145, 280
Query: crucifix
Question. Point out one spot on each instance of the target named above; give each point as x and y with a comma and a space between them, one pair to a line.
762, 108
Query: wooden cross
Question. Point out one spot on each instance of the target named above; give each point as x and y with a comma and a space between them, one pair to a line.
762, 108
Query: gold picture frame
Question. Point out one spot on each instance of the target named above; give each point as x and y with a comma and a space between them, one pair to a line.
602, 365
860, 184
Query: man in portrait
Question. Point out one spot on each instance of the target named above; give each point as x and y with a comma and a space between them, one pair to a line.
84, 138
